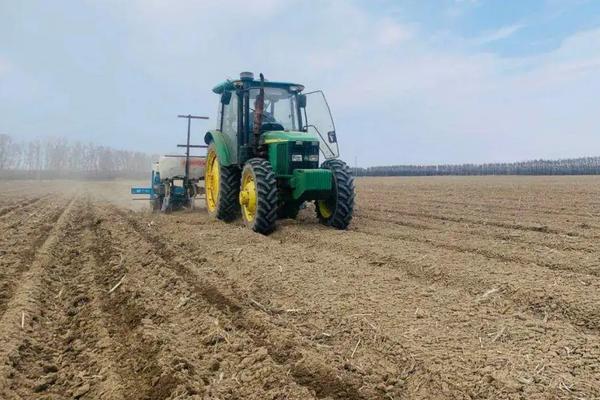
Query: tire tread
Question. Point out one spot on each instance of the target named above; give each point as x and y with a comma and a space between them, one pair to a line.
266, 187
344, 192
228, 208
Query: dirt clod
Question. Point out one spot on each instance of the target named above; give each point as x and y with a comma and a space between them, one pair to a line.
83, 389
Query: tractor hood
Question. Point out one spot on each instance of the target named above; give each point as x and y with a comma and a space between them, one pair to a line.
288, 136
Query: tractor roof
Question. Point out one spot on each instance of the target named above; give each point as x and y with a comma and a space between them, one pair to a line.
232, 85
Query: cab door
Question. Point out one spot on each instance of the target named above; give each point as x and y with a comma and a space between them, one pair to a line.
318, 120
228, 123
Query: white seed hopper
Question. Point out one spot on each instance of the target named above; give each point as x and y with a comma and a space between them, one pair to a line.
173, 167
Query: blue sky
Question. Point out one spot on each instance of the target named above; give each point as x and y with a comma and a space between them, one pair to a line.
408, 81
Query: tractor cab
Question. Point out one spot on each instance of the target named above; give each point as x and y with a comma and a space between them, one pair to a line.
272, 128
286, 110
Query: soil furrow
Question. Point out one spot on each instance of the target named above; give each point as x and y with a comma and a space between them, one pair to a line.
327, 381
495, 223
494, 235
385, 288
67, 357
22, 205
208, 317
22, 312
475, 287
505, 252
21, 243
524, 292
485, 208
136, 354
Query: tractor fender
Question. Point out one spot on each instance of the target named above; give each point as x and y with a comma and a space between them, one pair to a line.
218, 138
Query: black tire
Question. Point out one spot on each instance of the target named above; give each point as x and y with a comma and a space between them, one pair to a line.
341, 201
191, 195
166, 205
227, 207
156, 203
288, 210
265, 215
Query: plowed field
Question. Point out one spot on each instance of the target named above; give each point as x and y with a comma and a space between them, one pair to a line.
469, 288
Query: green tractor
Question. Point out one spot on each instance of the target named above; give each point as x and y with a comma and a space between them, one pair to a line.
263, 158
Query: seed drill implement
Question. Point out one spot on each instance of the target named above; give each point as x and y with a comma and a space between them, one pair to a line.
174, 182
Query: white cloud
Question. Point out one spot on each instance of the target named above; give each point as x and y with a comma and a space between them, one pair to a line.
472, 106
227, 10
457, 8
4, 67
391, 33
397, 95
500, 34
417, 102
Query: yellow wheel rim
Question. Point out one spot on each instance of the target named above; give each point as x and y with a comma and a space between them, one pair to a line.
248, 196
324, 209
211, 181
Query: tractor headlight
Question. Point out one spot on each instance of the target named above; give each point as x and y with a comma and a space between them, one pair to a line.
313, 158
296, 157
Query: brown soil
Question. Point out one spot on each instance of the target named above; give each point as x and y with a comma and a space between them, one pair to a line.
469, 288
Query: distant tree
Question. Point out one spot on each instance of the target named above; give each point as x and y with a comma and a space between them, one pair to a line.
6, 144
58, 157
576, 166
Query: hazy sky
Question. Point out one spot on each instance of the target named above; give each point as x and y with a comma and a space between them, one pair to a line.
407, 81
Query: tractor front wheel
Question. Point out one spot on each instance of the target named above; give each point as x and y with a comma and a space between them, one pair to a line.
258, 196
222, 186
337, 209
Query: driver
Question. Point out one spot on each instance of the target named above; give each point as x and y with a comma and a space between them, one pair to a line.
267, 118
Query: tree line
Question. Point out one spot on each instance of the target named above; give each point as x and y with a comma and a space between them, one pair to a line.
61, 158
571, 166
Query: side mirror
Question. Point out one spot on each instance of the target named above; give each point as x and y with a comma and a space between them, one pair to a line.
302, 100
331, 137
226, 98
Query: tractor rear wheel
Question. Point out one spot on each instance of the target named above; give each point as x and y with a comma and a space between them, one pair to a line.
222, 186
258, 196
337, 210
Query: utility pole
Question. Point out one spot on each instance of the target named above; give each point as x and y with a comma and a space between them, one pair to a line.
188, 145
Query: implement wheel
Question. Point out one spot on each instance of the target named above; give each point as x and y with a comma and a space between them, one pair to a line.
337, 210
258, 196
156, 203
222, 187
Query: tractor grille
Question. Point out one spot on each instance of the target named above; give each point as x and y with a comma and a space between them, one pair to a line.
283, 158
285, 165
